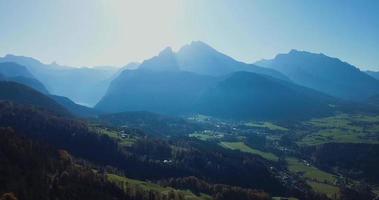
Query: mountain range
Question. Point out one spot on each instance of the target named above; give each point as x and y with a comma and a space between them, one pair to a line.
193, 124
325, 74
246, 95
200, 58
82, 84
17, 73
186, 82
20, 86
199, 79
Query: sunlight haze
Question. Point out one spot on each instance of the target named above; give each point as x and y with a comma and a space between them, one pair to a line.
99, 32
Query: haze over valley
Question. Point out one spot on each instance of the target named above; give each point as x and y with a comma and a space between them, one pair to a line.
180, 112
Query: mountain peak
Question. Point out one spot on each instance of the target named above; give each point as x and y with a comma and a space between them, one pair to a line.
294, 51
13, 58
303, 53
200, 43
197, 46
165, 61
166, 52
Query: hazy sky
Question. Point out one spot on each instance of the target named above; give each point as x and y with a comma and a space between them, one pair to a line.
115, 32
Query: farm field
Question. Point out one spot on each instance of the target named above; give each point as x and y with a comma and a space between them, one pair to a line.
342, 128
308, 171
244, 148
330, 190
268, 125
206, 136
123, 182
319, 180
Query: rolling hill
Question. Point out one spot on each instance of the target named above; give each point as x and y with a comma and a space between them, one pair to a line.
245, 95
21, 94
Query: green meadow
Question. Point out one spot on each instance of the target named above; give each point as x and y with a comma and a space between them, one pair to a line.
123, 182
342, 128
244, 148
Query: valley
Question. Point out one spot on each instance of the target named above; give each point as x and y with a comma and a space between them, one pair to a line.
341, 128
189, 100
173, 128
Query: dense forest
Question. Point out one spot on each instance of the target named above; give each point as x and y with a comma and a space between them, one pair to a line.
179, 162
143, 160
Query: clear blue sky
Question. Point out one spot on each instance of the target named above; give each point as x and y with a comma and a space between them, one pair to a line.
115, 32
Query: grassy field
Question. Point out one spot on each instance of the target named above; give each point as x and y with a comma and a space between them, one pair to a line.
267, 125
330, 190
244, 148
342, 128
309, 172
121, 181
287, 198
319, 180
202, 136
200, 118
113, 134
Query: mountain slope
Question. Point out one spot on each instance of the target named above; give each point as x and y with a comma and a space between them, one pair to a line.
245, 95
13, 72
169, 92
200, 58
84, 85
33, 170
373, 74
165, 61
21, 94
18, 73
76, 109
10, 69
325, 74
240, 95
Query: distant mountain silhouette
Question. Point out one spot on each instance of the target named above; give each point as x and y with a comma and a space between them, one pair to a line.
242, 95
325, 74
10, 69
165, 61
198, 79
132, 65
17, 73
200, 58
169, 92
76, 109
245, 95
84, 85
373, 74
21, 94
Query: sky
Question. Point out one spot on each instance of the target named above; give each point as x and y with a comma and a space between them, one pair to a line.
116, 32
